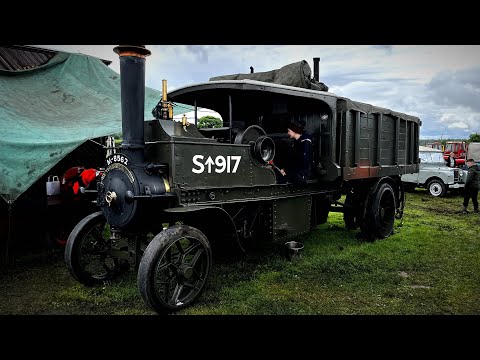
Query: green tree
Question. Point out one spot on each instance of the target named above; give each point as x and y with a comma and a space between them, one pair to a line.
474, 138
209, 122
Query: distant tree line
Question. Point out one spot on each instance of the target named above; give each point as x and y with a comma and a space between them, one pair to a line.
472, 138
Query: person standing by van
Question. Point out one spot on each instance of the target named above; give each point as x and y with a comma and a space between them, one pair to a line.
451, 160
471, 186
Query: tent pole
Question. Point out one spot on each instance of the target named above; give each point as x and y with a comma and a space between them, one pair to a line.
9, 231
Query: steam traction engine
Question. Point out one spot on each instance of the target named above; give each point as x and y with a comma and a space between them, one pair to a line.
175, 192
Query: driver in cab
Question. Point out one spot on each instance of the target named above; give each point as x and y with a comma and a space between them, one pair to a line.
299, 162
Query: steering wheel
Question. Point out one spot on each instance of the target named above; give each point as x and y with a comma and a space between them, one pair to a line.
249, 135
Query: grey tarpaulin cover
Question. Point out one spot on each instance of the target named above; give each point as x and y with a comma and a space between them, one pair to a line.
47, 112
297, 74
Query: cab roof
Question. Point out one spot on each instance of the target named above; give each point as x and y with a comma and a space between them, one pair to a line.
221, 88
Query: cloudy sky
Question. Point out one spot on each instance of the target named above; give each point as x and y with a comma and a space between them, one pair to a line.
438, 83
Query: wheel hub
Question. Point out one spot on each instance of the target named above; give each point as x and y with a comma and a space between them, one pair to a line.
186, 272
435, 189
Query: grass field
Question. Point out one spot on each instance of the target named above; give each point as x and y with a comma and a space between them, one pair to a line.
431, 265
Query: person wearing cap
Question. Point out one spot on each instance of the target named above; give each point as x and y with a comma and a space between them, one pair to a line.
471, 186
299, 163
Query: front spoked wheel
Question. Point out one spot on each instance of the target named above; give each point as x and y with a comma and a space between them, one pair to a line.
87, 253
174, 268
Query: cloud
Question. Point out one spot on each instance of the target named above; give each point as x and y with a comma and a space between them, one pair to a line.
459, 125
388, 48
461, 118
200, 113
200, 52
454, 88
439, 84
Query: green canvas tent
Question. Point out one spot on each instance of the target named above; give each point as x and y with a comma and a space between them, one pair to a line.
48, 111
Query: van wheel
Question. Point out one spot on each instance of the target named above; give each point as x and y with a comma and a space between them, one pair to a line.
436, 188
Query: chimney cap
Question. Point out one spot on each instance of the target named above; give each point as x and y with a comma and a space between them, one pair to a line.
139, 49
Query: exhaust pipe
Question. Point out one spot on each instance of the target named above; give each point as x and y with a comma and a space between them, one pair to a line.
132, 82
316, 62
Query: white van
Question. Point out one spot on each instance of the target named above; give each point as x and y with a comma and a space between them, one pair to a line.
434, 175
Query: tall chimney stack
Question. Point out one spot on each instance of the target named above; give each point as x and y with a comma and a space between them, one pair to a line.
132, 82
316, 62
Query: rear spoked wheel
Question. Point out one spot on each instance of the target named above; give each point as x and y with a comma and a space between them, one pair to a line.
380, 214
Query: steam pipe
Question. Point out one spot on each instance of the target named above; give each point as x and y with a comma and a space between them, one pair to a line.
316, 62
132, 82
164, 90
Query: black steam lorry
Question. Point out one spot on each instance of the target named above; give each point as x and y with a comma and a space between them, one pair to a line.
176, 192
